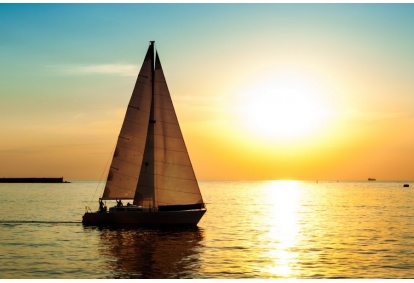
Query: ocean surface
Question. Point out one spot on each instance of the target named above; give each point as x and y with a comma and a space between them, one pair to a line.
264, 229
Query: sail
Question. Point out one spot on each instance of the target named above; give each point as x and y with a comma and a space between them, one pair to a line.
167, 176
126, 163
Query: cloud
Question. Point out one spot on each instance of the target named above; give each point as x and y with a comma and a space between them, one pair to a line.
99, 69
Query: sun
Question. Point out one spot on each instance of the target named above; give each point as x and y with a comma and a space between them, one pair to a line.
283, 107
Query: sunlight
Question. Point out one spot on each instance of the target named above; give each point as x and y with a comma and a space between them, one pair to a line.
284, 196
283, 106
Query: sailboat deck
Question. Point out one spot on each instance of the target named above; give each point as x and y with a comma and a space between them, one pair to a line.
132, 208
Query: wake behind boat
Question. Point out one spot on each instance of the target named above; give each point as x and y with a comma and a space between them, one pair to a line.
151, 166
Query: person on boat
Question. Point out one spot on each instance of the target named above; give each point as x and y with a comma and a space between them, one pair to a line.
119, 203
102, 207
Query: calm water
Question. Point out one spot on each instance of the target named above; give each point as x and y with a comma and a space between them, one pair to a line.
273, 229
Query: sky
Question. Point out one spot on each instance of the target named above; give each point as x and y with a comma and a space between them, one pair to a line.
262, 91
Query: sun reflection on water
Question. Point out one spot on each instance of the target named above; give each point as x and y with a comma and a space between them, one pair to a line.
282, 236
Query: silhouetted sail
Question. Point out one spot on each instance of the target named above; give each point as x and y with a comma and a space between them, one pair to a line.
151, 164
167, 176
126, 163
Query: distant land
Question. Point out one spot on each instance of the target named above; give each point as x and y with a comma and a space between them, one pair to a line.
33, 180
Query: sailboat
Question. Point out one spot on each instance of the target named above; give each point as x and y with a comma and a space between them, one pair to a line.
151, 166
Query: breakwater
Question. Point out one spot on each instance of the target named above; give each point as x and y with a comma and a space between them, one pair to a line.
33, 180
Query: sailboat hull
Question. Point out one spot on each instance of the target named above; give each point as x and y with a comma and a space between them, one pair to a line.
143, 218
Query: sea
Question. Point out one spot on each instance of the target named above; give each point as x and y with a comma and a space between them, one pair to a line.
253, 230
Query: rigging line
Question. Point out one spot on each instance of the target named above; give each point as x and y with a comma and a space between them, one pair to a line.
103, 172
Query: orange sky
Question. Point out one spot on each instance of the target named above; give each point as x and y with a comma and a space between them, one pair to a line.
306, 91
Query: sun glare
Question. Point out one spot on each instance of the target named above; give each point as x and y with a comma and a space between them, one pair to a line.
284, 228
283, 107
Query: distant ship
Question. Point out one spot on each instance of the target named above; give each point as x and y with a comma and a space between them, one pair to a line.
372, 179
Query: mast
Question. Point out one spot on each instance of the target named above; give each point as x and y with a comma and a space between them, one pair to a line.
152, 45
152, 116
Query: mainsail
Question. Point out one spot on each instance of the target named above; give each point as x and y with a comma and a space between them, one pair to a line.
151, 163
126, 162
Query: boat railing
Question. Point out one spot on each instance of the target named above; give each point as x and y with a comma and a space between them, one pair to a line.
132, 208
